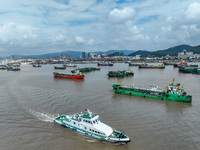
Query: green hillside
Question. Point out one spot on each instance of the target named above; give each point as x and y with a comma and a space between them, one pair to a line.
172, 51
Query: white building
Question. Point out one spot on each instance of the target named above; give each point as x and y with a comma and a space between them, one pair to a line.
184, 53
136, 57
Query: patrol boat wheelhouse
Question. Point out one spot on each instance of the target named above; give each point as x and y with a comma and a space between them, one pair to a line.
90, 125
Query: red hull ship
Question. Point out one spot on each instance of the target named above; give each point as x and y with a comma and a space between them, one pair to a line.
169, 63
182, 63
68, 76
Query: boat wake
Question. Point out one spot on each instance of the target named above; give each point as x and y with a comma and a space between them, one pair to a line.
43, 116
23, 100
92, 141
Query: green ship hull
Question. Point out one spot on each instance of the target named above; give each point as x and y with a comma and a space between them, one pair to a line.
55, 67
151, 94
86, 69
188, 69
120, 73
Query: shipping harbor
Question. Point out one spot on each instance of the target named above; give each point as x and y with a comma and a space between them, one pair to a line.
35, 98
100, 75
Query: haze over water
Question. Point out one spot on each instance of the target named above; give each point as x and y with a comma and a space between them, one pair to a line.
32, 98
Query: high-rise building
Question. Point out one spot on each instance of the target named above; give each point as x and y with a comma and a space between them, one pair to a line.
88, 55
83, 55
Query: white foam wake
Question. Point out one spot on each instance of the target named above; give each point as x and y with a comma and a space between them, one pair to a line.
43, 116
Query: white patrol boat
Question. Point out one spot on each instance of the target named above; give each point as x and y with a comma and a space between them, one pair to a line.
90, 125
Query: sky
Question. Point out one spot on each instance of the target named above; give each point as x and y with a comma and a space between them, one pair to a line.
33, 27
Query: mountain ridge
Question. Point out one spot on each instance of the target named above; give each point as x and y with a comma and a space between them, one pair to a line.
173, 51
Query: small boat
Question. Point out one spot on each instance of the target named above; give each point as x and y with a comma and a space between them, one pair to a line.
69, 75
15, 68
173, 92
133, 64
62, 67
105, 64
69, 65
36, 65
90, 125
152, 66
129, 72
9, 68
3, 67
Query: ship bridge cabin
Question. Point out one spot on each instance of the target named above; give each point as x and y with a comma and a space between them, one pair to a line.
95, 125
90, 119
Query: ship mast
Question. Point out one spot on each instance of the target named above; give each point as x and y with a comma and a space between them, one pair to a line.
89, 112
173, 81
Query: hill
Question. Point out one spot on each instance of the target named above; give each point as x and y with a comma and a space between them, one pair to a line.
49, 55
172, 51
115, 54
142, 53
72, 54
125, 52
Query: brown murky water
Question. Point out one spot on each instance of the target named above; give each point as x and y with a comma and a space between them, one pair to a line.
31, 98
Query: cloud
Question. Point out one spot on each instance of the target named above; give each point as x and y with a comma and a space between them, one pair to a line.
81, 5
37, 27
91, 42
79, 40
193, 11
11, 31
121, 16
60, 37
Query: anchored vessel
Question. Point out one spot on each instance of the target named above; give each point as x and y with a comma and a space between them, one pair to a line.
161, 66
189, 69
90, 125
180, 64
36, 65
137, 64
68, 75
86, 69
105, 64
173, 92
120, 73
13, 68
69, 65
62, 67
169, 63
3, 67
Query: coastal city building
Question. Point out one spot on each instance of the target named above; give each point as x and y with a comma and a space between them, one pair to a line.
185, 54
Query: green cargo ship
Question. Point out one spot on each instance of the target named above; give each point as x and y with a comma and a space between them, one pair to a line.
189, 69
173, 92
86, 69
120, 73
